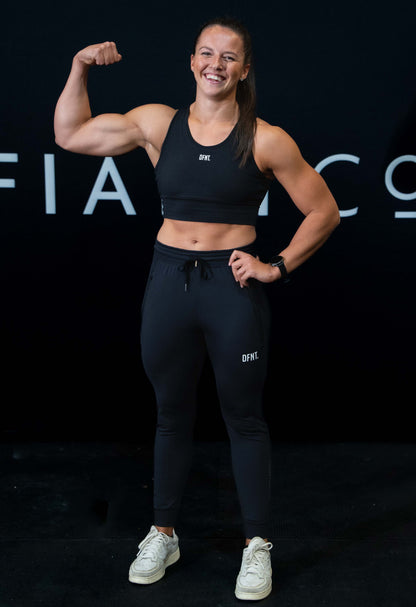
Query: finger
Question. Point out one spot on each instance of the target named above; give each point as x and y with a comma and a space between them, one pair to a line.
235, 273
234, 256
241, 277
234, 264
110, 53
238, 270
114, 54
106, 54
244, 277
99, 55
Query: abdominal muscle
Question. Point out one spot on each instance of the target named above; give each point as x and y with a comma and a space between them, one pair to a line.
198, 236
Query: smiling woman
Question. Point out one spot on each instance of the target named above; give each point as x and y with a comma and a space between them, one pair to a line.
219, 59
214, 162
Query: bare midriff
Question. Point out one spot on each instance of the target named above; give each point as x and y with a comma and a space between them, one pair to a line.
198, 236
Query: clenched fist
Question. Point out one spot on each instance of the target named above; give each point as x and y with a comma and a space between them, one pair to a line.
105, 53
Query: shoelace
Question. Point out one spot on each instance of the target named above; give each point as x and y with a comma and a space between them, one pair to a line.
190, 264
149, 546
256, 557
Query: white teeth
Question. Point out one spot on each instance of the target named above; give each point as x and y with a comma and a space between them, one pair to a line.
213, 77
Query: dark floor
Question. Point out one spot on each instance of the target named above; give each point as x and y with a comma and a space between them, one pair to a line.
71, 516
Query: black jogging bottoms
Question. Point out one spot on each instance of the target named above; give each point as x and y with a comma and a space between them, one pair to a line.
193, 307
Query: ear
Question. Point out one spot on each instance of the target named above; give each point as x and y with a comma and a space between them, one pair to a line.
245, 72
192, 63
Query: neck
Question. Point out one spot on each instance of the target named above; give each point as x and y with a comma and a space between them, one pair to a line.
213, 110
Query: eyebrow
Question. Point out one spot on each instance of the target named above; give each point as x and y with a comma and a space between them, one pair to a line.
225, 52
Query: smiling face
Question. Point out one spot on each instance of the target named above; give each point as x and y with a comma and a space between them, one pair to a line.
219, 61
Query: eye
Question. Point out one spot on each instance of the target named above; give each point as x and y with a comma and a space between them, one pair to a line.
229, 58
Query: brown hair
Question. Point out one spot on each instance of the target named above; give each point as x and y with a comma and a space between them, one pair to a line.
246, 89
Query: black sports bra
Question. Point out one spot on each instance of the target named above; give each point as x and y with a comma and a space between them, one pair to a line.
205, 183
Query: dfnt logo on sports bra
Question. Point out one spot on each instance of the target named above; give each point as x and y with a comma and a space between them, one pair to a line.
245, 358
205, 157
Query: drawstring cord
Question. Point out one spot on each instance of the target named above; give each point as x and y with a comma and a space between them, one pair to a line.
189, 266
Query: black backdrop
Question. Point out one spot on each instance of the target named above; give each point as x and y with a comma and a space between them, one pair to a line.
340, 78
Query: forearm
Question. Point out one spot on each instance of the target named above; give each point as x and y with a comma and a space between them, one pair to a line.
314, 230
312, 233
73, 107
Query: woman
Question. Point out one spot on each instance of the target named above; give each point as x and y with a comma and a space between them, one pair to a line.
214, 162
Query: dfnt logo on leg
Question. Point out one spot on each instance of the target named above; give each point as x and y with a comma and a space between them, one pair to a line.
246, 358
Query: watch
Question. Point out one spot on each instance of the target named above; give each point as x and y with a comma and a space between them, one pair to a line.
277, 261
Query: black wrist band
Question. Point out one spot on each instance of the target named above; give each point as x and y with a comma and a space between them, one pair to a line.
277, 261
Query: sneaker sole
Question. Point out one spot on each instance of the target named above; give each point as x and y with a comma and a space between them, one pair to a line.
252, 596
151, 579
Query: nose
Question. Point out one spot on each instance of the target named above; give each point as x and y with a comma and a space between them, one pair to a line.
217, 63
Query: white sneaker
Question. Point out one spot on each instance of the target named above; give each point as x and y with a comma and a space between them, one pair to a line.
254, 582
156, 552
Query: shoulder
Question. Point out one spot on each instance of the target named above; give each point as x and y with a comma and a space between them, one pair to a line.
274, 147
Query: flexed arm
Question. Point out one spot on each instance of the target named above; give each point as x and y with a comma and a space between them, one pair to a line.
75, 128
277, 152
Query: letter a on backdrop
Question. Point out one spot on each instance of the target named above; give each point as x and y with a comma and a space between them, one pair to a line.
109, 168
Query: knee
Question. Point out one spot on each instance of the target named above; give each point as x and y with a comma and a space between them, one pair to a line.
170, 422
250, 426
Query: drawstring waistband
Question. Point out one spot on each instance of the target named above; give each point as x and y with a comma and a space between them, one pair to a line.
189, 266
190, 260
